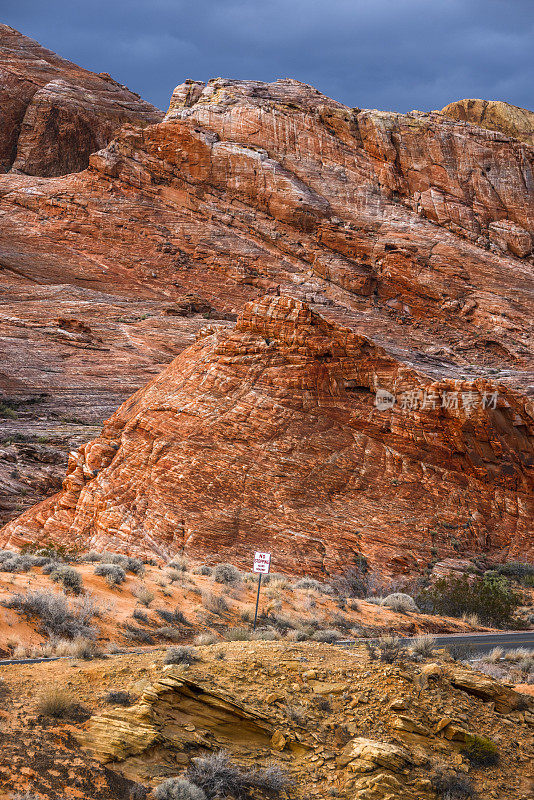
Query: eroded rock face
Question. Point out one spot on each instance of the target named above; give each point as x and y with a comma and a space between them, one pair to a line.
496, 116
174, 715
267, 437
411, 231
54, 113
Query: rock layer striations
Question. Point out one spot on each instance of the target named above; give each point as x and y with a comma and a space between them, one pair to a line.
412, 232
267, 437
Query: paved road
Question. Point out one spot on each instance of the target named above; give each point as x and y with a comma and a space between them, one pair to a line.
474, 642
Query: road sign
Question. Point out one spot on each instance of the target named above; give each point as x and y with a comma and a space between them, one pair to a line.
262, 563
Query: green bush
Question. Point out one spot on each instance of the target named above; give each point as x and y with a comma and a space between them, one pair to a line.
517, 571
480, 751
490, 597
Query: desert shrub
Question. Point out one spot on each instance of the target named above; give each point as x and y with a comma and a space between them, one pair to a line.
179, 564
128, 563
460, 652
169, 633
327, 636
265, 635
323, 704
206, 639
55, 702
247, 614
423, 645
178, 789
480, 751
296, 714
281, 622
119, 698
173, 575
175, 617
56, 616
218, 777
238, 635
215, 603
226, 573
400, 602
517, 571
203, 569
140, 616
450, 786
70, 578
375, 600
92, 556
137, 634
316, 586
181, 655
19, 562
143, 594
80, 647
113, 573
386, 648
491, 597
353, 582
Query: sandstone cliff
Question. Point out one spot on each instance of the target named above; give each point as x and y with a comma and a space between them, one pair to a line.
495, 115
413, 231
54, 113
267, 437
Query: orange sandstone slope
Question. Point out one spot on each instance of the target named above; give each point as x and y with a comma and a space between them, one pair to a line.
413, 231
266, 436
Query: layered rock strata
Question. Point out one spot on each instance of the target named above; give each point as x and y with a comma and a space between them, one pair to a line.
268, 437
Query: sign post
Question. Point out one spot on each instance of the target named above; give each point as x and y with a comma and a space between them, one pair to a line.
262, 565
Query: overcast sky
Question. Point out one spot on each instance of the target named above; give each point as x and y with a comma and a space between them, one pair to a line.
388, 54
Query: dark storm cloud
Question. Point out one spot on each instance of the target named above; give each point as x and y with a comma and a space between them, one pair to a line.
389, 54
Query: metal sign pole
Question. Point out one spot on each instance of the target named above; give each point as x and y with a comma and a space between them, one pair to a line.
257, 602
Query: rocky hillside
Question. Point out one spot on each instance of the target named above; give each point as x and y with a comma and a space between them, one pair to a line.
268, 434
411, 233
327, 722
495, 115
54, 113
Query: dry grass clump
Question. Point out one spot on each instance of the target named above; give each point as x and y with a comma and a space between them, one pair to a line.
423, 645
181, 655
206, 639
142, 594
314, 585
215, 603
178, 789
56, 702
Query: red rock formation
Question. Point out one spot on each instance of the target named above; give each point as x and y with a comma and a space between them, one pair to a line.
495, 115
267, 437
413, 231
54, 113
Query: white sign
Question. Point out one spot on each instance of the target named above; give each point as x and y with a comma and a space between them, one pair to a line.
262, 562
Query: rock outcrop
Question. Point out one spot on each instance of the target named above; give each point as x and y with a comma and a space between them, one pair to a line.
496, 116
54, 113
413, 232
267, 437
